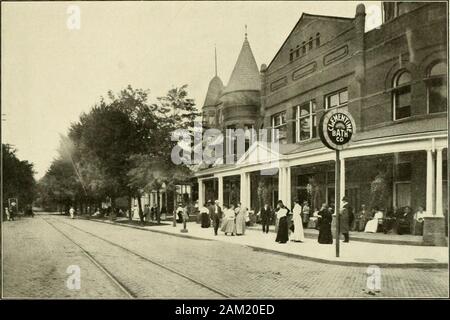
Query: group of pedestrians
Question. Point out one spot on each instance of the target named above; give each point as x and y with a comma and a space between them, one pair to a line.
231, 220
289, 224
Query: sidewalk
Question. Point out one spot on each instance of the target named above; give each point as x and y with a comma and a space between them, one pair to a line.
355, 253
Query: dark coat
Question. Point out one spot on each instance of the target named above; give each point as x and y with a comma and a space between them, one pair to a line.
215, 216
344, 220
266, 215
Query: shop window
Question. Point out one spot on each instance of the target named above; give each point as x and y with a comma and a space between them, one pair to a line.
337, 99
305, 121
402, 95
437, 87
279, 122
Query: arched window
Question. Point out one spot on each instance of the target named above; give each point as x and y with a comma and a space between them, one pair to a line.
297, 51
437, 87
318, 39
310, 43
303, 47
291, 55
402, 95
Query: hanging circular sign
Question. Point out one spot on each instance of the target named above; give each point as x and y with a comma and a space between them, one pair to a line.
336, 129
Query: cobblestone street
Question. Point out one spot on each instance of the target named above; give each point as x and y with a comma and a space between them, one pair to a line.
118, 261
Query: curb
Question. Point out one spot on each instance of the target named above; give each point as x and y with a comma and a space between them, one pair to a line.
431, 265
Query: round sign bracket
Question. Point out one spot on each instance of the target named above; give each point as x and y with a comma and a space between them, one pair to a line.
336, 129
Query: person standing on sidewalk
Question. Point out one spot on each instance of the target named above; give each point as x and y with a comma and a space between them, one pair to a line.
228, 225
240, 220
72, 213
345, 219
305, 213
298, 235
8, 217
325, 219
216, 216
266, 215
282, 216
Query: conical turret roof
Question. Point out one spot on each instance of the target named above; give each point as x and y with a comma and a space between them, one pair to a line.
215, 89
245, 75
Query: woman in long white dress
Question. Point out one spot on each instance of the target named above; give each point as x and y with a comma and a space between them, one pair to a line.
240, 220
298, 235
372, 225
229, 225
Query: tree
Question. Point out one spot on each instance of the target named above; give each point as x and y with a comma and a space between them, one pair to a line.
18, 178
154, 168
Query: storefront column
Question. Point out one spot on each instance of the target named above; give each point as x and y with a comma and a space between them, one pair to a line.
280, 185
434, 222
342, 184
439, 203
430, 183
245, 190
288, 188
201, 193
220, 191
249, 191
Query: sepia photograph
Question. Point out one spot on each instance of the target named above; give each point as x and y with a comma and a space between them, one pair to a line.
213, 150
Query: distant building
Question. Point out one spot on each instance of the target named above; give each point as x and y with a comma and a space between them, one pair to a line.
392, 79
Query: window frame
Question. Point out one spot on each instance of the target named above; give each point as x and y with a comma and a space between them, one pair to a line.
338, 93
312, 116
395, 91
428, 83
272, 120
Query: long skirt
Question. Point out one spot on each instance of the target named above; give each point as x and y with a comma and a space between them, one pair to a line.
298, 228
228, 226
240, 224
325, 236
206, 221
282, 233
371, 226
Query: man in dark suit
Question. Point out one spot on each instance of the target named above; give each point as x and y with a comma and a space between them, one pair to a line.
344, 220
216, 214
266, 215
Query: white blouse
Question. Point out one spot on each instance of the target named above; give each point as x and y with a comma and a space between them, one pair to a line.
281, 213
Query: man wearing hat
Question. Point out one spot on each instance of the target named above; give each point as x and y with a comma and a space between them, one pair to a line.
345, 219
216, 215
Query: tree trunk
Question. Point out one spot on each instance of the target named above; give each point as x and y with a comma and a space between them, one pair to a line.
141, 216
130, 212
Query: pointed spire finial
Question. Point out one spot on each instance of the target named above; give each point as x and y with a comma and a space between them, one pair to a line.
215, 59
245, 32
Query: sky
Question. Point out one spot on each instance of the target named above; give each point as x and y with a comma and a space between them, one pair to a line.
53, 71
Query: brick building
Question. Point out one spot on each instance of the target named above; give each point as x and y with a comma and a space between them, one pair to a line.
392, 79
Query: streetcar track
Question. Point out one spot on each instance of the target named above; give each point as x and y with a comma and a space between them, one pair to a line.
102, 268
165, 267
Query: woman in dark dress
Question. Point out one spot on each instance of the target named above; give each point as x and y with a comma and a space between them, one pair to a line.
325, 218
205, 219
282, 216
